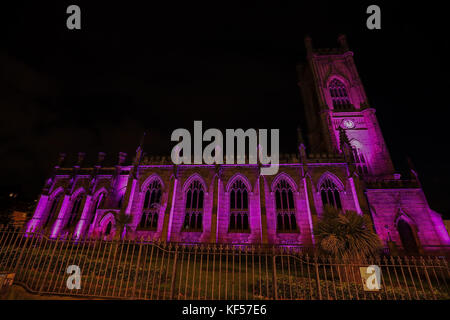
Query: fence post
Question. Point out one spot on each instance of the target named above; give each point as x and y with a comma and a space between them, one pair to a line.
274, 280
174, 271
22, 249
49, 265
316, 266
137, 268
422, 260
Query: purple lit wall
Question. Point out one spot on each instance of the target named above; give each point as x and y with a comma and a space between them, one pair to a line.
386, 205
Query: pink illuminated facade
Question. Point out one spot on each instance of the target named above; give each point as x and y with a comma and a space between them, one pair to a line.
344, 162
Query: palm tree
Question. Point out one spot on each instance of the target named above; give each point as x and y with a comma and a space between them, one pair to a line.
346, 235
123, 221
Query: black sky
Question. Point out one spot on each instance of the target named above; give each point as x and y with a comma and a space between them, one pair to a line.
160, 67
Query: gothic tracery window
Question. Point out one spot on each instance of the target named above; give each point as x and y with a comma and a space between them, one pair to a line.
53, 210
407, 237
239, 207
98, 204
285, 208
329, 193
360, 161
339, 95
152, 200
108, 229
193, 220
76, 211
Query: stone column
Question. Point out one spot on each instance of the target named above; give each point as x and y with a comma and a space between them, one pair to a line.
129, 196
38, 217
62, 209
131, 184
309, 206
214, 211
84, 220
355, 195
262, 198
359, 187
307, 184
328, 131
165, 236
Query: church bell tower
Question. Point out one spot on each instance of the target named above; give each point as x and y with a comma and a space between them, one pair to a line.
336, 105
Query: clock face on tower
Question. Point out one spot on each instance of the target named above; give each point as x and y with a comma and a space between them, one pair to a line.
348, 124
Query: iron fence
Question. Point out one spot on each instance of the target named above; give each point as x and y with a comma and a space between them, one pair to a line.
142, 269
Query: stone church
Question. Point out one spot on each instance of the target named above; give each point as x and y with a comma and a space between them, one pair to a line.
342, 162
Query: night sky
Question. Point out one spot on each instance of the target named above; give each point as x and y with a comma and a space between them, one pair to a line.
133, 67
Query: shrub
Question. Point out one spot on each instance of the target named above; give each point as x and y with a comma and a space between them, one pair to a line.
346, 235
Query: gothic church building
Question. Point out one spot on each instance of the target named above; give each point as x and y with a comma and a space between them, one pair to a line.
346, 165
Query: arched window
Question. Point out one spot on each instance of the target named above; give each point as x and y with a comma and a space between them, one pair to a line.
152, 200
360, 161
76, 211
193, 219
52, 212
407, 237
108, 229
284, 200
330, 194
339, 96
98, 204
239, 208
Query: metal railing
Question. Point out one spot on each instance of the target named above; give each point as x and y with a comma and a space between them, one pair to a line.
142, 269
